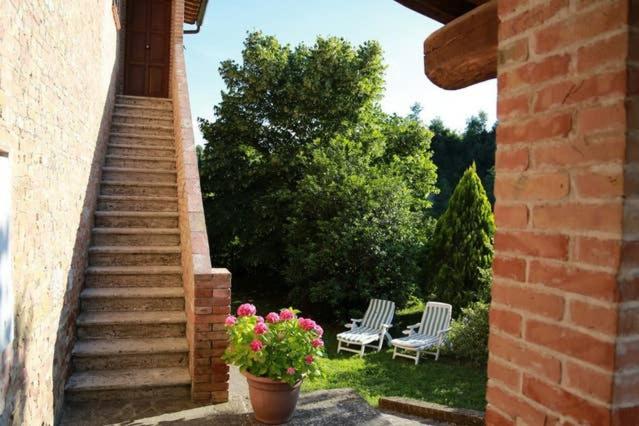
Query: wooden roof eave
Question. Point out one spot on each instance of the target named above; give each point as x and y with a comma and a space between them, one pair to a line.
443, 11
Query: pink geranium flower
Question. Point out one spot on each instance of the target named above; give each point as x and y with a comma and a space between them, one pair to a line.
272, 317
317, 343
246, 310
319, 330
286, 314
307, 324
256, 345
290, 371
260, 328
308, 359
230, 321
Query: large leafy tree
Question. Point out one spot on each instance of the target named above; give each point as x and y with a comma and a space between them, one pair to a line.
308, 185
460, 253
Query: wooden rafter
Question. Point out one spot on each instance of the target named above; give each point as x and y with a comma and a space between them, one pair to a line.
464, 51
443, 11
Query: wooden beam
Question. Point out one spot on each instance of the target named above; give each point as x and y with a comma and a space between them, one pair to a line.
442, 11
464, 51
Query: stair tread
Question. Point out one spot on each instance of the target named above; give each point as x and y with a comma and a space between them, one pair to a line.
141, 136
120, 231
131, 317
134, 249
128, 379
124, 213
143, 126
137, 197
137, 183
148, 147
138, 170
132, 292
137, 158
141, 116
144, 107
105, 347
150, 98
134, 270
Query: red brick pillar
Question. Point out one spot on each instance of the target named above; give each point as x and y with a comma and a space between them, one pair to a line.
564, 340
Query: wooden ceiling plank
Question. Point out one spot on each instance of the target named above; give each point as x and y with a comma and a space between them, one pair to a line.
443, 11
464, 51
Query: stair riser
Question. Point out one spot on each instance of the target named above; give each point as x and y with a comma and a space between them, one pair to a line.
164, 392
168, 280
141, 130
134, 259
164, 113
138, 205
145, 176
168, 164
136, 222
116, 362
164, 142
139, 152
142, 119
136, 239
132, 304
157, 103
126, 331
138, 190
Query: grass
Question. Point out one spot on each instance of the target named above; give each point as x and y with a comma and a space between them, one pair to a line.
447, 381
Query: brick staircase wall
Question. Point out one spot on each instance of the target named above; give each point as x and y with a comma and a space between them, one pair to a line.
564, 339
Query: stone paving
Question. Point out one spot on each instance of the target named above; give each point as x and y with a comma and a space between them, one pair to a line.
341, 407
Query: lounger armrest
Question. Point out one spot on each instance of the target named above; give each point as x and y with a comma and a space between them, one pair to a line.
411, 329
385, 327
353, 323
441, 332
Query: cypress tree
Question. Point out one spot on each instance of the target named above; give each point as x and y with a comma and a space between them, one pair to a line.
460, 253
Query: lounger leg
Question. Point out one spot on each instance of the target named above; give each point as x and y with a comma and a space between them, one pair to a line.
381, 343
361, 354
437, 354
417, 358
394, 352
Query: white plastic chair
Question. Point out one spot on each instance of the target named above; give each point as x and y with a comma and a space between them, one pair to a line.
372, 328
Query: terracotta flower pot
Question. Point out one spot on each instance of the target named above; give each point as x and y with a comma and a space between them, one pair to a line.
273, 402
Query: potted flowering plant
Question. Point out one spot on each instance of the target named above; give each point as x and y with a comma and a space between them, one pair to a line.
275, 354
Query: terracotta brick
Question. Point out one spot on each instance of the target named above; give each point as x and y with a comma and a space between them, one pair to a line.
556, 126
532, 244
514, 53
529, 299
599, 184
531, 18
513, 159
510, 268
494, 418
571, 279
533, 73
580, 151
506, 321
508, 376
562, 401
530, 187
627, 354
629, 321
596, 251
515, 407
507, 7
602, 118
578, 28
594, 317
604, 217
511, 216
525, 357
589, 381
574, 343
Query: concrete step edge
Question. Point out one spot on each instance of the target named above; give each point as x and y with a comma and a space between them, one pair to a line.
142, 378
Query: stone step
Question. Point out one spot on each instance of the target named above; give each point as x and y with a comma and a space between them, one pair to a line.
123, 174
136, 236
133, 276
151, 111
132, 299
141, 139
125, 325
142, 129
140, 162
106, 354
127, 384
137, 150
136, 219
134, 256
137, 203
141, 118
144, 101
158, 189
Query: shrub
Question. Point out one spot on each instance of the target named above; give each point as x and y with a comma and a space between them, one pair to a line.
460, 254
283, 347
468, 337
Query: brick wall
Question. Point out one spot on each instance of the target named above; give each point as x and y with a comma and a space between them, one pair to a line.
57, 80
207, 290
564, 340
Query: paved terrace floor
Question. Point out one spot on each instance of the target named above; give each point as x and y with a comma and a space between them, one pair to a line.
333, 407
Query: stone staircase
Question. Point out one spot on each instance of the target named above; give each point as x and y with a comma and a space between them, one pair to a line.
131, 328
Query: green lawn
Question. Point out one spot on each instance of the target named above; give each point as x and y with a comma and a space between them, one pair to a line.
447, 381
